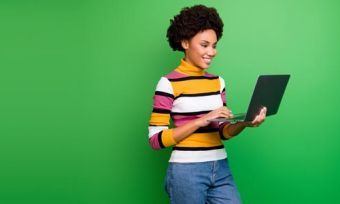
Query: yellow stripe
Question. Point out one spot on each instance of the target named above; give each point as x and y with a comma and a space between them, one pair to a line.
160, 119
167, 138
195, 86
201, 140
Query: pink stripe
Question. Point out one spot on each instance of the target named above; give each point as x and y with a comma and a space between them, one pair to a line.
209, 75
154, 142
162, 102
174, 75
186, 117
180, 120
223, 96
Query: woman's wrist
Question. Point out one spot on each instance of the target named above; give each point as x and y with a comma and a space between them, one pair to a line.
198, 123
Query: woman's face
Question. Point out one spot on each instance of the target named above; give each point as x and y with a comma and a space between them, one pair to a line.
201, 49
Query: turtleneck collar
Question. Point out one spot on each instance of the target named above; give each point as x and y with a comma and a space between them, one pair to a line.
188, 69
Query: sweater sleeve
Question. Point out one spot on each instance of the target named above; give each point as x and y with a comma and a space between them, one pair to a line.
160, 136
223, 126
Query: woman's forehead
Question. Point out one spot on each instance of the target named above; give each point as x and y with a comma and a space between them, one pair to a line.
206, 35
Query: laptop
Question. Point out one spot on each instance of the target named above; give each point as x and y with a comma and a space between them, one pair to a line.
268, 92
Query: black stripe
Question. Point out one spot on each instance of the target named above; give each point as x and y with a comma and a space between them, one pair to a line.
198, 94
157, 110
190, 113
223, 90
197, 148
157, 125
160, 93
193, 78
160, 139
224, 104
206, 130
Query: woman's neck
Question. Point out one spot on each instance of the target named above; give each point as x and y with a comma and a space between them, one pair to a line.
189, 69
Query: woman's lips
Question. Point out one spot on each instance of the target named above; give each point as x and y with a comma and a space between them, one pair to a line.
207, 60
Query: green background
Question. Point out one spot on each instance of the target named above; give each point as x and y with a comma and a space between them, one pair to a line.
76, 86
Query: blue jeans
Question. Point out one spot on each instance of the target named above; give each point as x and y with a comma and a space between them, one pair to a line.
201, 183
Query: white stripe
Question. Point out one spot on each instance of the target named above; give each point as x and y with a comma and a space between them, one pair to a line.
222, 84
164, 85
197, 103
156, 129
197, 156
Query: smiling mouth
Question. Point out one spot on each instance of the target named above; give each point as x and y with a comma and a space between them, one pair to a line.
207, 60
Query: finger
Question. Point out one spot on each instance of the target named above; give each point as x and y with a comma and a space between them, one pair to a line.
264, 111
263, 116
226, 112
224, 108
254, 121
229, 114
260, 121
225, 115
227, 109
221, 111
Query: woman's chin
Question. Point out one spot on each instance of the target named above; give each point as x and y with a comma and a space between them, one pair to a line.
205, 66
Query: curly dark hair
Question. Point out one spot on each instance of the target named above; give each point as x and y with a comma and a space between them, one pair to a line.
190, 21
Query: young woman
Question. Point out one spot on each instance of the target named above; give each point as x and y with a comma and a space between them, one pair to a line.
198, 171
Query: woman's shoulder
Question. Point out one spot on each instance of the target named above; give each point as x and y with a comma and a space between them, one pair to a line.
173, 75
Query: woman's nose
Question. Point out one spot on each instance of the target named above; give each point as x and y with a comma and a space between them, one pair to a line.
212, 52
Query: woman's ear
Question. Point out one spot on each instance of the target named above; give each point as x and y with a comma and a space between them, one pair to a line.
185, 44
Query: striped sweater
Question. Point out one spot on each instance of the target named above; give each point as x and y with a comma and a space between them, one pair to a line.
183, 95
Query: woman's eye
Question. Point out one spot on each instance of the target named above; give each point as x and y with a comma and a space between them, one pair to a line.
204, 45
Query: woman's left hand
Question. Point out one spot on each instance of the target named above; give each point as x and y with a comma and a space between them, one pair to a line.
259, 119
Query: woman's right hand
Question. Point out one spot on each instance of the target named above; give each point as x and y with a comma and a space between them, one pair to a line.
222, 112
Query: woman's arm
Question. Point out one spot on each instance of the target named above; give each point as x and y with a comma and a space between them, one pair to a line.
184, 131
231, 130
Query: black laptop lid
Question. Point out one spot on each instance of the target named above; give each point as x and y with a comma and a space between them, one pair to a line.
268, 92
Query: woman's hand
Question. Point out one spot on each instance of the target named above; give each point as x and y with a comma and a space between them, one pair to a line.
222, 112
259, 119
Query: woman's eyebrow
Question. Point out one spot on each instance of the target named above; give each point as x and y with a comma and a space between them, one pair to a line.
206, 41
